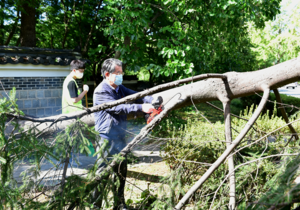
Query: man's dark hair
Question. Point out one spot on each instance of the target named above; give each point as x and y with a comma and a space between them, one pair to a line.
109, 66
77, 64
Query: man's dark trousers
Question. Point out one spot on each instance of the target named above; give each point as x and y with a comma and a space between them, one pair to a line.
119, 172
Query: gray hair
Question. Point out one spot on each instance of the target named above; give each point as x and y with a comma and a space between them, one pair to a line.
109, 66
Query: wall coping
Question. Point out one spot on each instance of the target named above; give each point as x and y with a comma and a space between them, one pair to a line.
29, 70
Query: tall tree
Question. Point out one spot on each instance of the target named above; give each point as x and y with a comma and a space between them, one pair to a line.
28, 22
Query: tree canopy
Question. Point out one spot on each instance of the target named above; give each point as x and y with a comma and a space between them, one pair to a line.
278, 41
169, 39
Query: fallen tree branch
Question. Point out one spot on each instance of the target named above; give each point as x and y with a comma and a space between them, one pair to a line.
227, 152
228, 137
236, 85
126, 99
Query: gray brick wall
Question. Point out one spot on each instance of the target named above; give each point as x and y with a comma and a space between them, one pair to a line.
39, 102
31, 83
37, 96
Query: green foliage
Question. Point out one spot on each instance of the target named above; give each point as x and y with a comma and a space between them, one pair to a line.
15, 147
75, 138
200, 40
146, 201
279, 40
198, 144
169, 39
24, 146
281, 188
171, 191
290, 103
185, 146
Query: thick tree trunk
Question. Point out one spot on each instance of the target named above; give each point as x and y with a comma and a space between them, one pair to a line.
2, 6
28, 23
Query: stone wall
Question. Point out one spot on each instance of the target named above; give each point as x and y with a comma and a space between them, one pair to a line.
37, 96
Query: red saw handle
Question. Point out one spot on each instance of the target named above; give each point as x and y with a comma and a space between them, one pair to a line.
153, 114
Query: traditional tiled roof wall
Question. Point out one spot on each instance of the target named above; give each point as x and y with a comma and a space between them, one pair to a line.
38, 75
37, 56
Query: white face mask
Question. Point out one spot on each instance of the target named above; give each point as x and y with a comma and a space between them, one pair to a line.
78, 74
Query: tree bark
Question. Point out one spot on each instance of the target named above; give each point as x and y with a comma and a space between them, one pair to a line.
28, 23
2, 30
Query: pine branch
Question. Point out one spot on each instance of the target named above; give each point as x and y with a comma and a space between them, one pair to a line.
247, 163
143, 133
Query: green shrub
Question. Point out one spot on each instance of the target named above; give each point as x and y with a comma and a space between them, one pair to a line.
197, 144
291, 107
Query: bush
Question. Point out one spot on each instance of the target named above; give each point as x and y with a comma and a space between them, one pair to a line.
288, 100
197, 144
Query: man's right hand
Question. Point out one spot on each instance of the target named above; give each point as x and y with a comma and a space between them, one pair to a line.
86, 88
147, 108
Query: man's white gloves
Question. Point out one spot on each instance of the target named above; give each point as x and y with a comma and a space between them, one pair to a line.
86, 88
147, 108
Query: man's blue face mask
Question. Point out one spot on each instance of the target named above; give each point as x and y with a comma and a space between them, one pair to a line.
119, 79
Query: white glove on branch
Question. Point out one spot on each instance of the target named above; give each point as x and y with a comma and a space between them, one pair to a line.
86, 88
147, 108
